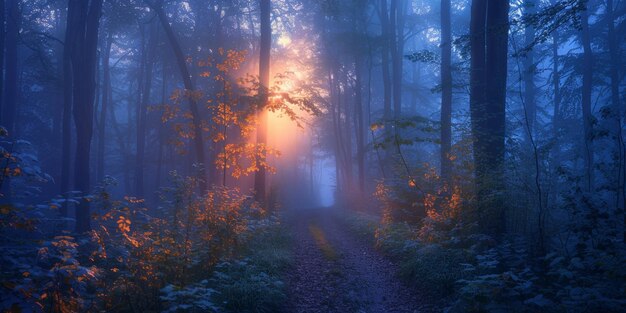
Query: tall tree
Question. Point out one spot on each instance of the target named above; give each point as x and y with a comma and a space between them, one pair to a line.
359, 121
142, 109
85, 22
385, 52
488, 71
106, 92
587, 69
13, 21
66, 140
2, 35
446, 89
616, 109
264, 80
189, 86
529, 70
396, 28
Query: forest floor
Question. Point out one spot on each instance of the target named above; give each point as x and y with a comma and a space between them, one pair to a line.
335, 271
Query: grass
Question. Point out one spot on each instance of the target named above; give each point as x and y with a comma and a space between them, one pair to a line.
254, 284
320, 239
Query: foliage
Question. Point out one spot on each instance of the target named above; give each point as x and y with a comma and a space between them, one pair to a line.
19, 167
138, 258
251, 284
234, 109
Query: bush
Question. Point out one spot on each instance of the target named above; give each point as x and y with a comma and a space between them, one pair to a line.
252, 284
244, 287
435, 268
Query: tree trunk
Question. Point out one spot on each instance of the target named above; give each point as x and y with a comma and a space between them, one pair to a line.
106, 90
84, 64
11, 75
359, 123
556, 120
396, 26
446, 90
142, 111
586, 100
384, 17
529, 71
489, 47
68, 81
264, 80
182, 66
616, 109
2, 36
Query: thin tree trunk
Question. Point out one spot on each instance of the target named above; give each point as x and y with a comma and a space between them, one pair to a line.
529, 70
182, 66
68, 83
161, 131
347, 145
264, 80
10, 104
122, 145
142, 111
616, 109
446, 90
586, 100
396, 26
556, 120
359, 127
2, 36
384, 16
11, 59
106, 90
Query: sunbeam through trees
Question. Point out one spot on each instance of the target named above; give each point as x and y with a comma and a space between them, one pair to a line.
312, 156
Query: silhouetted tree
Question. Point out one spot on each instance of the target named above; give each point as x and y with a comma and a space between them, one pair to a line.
83, 22
264, 81
488, 48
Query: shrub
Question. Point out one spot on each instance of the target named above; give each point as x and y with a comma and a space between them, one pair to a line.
435, 268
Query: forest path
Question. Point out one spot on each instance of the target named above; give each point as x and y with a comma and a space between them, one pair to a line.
336, 272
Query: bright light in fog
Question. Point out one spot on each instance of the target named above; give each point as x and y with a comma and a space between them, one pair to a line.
284, 40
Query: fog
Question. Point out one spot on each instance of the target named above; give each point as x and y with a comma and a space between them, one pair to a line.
469, 127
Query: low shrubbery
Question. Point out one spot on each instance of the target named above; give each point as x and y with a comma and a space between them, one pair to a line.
446, 256
251, 284
218, 251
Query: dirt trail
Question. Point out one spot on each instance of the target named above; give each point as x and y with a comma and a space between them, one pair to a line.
336, 272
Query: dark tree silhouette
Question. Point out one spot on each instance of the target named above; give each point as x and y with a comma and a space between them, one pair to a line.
446, 89
488, 44
264, 81
83, 22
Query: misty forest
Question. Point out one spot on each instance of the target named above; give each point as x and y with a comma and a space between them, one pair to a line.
312, 156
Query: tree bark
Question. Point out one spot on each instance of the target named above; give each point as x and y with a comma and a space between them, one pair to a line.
446, 90
586, 100
385, 47
396, 26
84, 64
616, 110
529, 71
359, 123
11, 59
556, 119
489, 48
142, 111
106, 90
2, 36
66, 140
264, 80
